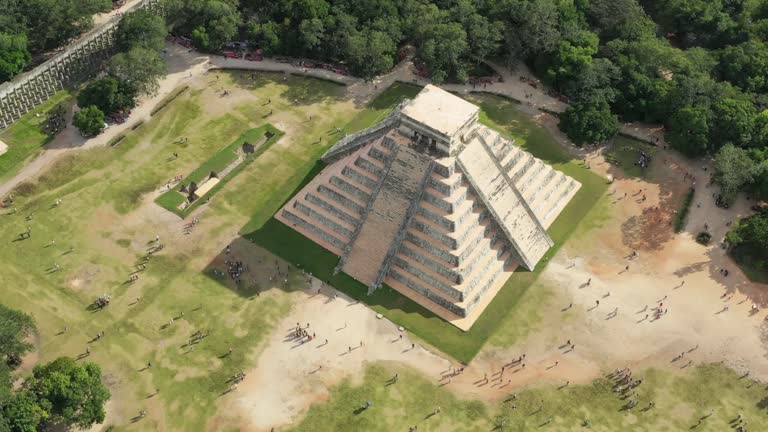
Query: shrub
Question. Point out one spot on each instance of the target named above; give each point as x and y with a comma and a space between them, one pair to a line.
704, 238
681, 215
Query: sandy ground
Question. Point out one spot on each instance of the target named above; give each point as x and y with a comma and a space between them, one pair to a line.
295, 373
671, 270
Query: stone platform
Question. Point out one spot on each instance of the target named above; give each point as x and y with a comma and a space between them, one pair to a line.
445, 223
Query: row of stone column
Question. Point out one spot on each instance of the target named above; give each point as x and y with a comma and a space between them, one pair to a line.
70, 67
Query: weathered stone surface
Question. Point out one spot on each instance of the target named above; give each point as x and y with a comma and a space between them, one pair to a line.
447, 231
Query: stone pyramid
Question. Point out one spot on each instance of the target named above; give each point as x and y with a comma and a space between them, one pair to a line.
440, 209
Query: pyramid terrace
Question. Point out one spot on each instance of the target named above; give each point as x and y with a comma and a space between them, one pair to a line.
433, 204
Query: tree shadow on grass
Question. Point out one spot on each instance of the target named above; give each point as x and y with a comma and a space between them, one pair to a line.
301, 90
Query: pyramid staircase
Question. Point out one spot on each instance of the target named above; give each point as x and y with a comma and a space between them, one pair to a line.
368, 256
330, 209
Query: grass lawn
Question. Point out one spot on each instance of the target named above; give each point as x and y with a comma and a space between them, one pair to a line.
382, 105
26, 136
681, 399
497, 113
624, 153
502, 114
108, 219
218, 162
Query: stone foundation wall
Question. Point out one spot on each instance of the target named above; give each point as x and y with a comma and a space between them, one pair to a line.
71, 67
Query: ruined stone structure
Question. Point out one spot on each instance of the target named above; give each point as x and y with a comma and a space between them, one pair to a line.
432, 204
75, 64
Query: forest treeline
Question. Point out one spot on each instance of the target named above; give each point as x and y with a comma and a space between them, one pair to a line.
699, 67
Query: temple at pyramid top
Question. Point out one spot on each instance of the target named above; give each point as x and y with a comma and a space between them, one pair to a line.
441, 116
433, 204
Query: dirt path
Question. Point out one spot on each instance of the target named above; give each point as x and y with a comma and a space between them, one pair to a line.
183, 64
671, 269
299, 373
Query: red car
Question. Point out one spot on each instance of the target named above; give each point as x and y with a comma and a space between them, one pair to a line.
230, 54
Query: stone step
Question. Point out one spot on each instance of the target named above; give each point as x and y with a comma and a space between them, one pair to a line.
449, 288
415, 252
404, 278
486, 270
424, 245
539, 188
334, 209
533, 177
407, 285
522, 168
352, 188
342, 197
400, 187
370, 165
494, 282
316, 212
490, 242
562, 201
313, 232
499, 194
548, 197
445, 167
359, 175
445, 185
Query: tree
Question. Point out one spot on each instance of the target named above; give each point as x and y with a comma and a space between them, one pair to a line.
370, 53
107, 94
746, 65
733, 170
688, 131
760, 133
622, 19
265, 36
749, 237
25, 412
13, 55
311, 34
51, 23
700, 22
222, 30
589, 123
597, 81
15, 328
200, 39
139, 69
732, 121
533, 26
89, 120
74, 392
214, 21
571, 58
443, 49
142, 29
484, 36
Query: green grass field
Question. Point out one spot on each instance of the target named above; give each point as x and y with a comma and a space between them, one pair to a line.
499, 114
106, 217
26, 137
172, 199
680, 401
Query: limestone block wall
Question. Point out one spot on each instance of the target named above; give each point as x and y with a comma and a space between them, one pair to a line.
72, 66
